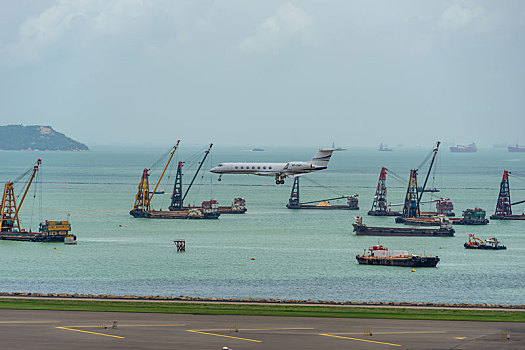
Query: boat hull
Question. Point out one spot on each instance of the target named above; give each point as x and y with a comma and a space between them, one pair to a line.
362, 230
182, 214
30, 237
413, 261
229, 210
327, 207
384, 213
483, 246
508, 217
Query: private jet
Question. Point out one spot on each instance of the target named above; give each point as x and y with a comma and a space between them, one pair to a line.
278, 170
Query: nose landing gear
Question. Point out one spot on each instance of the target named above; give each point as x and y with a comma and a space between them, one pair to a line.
220, 177
279, 180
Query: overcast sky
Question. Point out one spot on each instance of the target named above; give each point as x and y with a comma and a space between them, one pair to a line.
266, 72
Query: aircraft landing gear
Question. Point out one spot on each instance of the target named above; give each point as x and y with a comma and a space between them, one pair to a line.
220, 177
279, 180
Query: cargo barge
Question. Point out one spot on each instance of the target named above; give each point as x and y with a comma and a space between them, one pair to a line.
477, 243
352, 202
238, 207
49, 231
209, 210
361, 229
379, 255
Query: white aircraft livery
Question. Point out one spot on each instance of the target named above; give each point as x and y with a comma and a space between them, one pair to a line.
279, 170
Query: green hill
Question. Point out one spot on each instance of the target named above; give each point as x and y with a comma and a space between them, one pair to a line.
36, 138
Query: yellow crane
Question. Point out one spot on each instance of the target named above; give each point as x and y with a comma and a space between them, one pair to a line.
144, 196
9, 221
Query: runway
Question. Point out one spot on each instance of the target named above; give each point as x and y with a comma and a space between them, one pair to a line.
43, 329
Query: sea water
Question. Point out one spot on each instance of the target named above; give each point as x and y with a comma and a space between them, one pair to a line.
271, 251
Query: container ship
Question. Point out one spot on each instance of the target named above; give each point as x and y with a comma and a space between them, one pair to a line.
461, 149
361, 229
477, 243
379, 255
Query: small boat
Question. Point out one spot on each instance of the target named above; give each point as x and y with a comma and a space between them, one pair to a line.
70, 239
379, 255
158, 192
489, 244
384, 148
257, 150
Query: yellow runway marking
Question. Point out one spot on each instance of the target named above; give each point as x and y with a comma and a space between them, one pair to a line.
22, 322
135, 325
254, 329
364, 340
429, 332
79, 330
224, 336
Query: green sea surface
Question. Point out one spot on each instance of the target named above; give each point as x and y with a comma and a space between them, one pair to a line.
297, 254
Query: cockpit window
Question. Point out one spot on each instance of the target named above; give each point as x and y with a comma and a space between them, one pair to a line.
220, 164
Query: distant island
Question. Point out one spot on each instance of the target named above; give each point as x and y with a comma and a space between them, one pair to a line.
36, 138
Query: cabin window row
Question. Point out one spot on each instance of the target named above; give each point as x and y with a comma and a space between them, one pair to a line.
253, 167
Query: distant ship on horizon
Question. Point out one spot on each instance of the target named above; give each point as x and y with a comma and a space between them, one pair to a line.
516, 148
384, 148
460, 148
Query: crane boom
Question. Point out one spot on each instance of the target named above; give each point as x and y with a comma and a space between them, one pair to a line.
163, 171
33, 174
197, 172
428, 174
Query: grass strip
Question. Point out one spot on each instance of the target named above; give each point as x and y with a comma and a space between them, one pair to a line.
263, 310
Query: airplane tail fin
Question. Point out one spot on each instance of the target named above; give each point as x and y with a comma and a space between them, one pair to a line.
322, 157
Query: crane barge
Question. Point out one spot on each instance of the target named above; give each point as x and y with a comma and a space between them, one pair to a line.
142, 205
504, 205
294, 203
10, 228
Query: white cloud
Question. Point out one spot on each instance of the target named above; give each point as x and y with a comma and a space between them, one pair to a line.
79, 18
288, 24
458, 16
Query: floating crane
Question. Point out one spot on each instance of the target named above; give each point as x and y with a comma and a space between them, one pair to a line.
504, 205
294, 203
10, 228
142, 206
413, 197
379, 206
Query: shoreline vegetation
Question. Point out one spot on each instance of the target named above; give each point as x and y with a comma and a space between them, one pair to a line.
261, 307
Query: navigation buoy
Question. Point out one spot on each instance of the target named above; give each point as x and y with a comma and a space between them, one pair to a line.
240, 264
55, 248
253, 258
59, 252
413, 270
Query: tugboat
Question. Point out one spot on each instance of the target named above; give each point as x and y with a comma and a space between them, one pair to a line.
379, 255
474, 216
477, 243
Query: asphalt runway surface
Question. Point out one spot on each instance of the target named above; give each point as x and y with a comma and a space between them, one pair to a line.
43, 329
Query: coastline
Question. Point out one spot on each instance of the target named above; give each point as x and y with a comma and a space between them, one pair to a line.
257, 301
